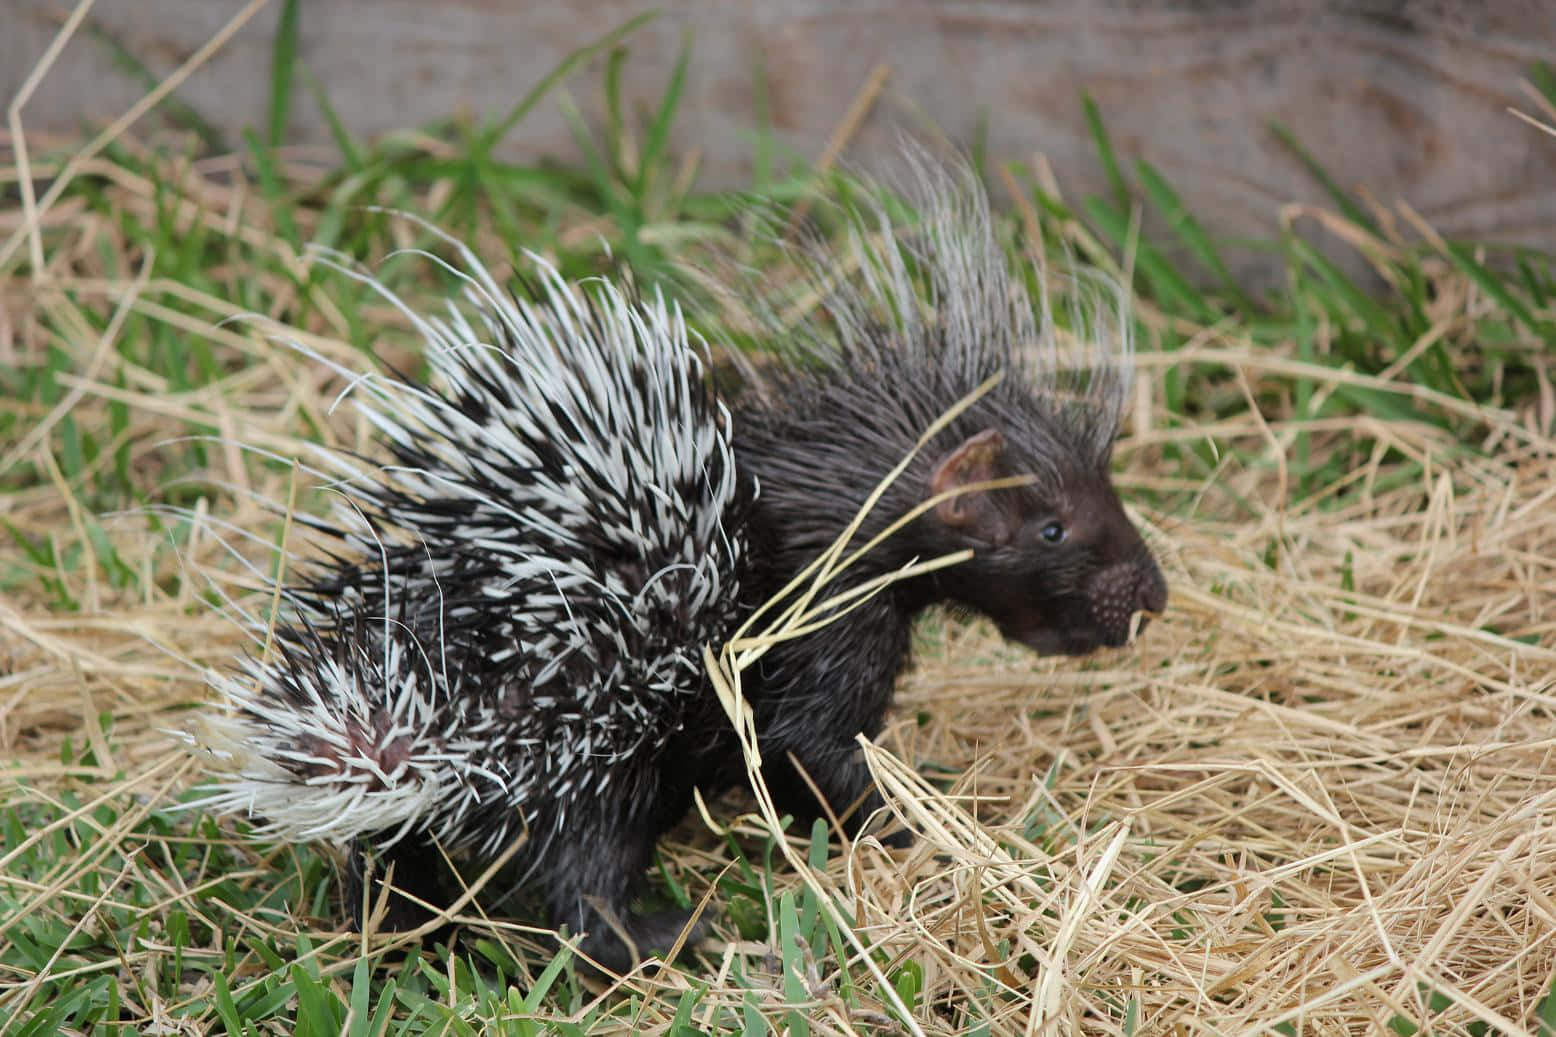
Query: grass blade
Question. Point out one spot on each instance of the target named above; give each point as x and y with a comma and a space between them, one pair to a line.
180, 111
349, 151
1189, 231
283, 63
495, 134
659, 132
1099, 134
1349, 206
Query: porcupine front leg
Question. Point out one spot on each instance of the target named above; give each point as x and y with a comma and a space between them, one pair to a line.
838, 772
817, 715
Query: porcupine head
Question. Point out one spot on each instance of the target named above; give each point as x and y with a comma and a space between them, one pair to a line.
915, 318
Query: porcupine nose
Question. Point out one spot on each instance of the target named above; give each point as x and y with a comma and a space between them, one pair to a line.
1151, 588
1124, 588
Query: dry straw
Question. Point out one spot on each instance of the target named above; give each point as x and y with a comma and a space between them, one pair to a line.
1316, 795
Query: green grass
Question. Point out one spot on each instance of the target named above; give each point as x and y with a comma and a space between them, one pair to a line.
89, 916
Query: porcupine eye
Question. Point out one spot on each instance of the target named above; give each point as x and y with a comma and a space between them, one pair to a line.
1054, 533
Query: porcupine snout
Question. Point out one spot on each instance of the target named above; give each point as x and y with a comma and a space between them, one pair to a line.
1135, 584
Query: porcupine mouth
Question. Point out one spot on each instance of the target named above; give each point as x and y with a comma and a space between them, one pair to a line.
1048, 641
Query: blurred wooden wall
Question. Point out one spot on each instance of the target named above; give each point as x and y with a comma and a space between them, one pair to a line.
1406, 99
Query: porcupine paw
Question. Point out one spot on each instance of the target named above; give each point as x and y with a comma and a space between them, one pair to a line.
650, 934
871, 820
870, 817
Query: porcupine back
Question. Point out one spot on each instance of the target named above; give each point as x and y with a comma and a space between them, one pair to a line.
512, 617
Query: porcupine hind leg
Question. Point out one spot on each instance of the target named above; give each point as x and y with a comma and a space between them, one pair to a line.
419, 877
593, 880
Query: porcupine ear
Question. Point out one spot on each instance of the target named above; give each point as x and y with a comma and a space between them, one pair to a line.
978, 514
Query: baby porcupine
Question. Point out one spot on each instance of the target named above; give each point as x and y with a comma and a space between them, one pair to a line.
507, 637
